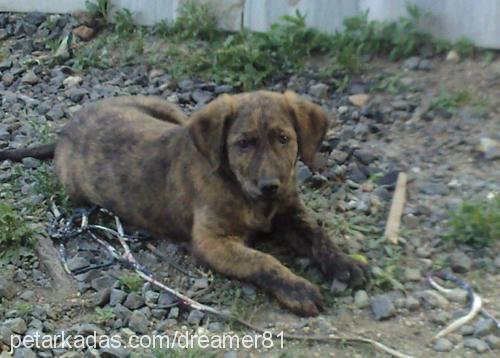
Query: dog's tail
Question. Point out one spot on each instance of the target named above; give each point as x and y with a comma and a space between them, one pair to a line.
41, 152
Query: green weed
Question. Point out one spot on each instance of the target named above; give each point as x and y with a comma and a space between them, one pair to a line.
196, 21
131, 282
100, 8
102, 315
464, 47
124, 23
476, 222
15, 230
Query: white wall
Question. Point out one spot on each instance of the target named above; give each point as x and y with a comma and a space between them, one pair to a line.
478, 20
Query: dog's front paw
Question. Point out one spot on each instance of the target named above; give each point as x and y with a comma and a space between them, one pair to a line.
346, 269
300, 296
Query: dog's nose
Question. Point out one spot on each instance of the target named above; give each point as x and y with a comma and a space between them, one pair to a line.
269, 187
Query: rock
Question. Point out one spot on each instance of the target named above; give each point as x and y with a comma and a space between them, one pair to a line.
76, 95
357, 175
151, 297
411, 274
467, 330
100, 298
165, 324
412, 303
478, 345
31, 163
30, 78
24, 352
493, 341
186, 85
453, 56
174, 312
430, 188
425, 65
116, 296
319, 90
412, 63
337, 287
489, 147
5, 65
442, 345
223, 89
72, 81
102, 282
441, 318
85, 33
34, 18
195, 317
457, 295
122, 312
359, 100
303, 174
134, 301
388, 179
113, 352
231, 354
166, 299
364, 156
201, 97
88, 329
459, 262
339, 156
484, 326
77, 263
138, 322
16, 325
27, 295
497, 262
318, 180
432, 298
382, 307
7, 289
361, 299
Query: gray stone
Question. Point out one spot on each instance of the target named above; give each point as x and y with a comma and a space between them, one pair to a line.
432, 189
195, 317
31, 163
441, 317
16, 325
361, 299
24, 352
493, 341
432, 299
490, 148
478, 345
231, 354
483, 327
224, 89
382, 307
339, 156
138, 322
442, 345
467, 330
497, 262
186, 85
412, 303
319, 90
122, 312
27, 295
457, 295
166, 299
174, 312
201, 97
364, 156
88, 329
30, 78
151, 297
116, 296
411, 274
303, 174
77, 263
459, 262
7, 289
134, 301
55, 113
162, 326
425, 65
34, 18
102, 282
114, 352
5, 65
100, 298
412, 63
158, 313
76, 95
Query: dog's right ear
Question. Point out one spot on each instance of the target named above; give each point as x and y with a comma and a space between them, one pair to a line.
207, 128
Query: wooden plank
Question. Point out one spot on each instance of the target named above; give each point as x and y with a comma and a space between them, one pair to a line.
398, 201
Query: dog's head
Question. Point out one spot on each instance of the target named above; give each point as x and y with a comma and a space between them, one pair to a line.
259, 136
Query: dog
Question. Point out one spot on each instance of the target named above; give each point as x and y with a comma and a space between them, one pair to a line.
211, 181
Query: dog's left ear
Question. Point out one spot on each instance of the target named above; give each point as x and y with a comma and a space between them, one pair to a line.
207, 128
310, 123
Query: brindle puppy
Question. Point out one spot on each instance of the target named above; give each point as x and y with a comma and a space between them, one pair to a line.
212, 183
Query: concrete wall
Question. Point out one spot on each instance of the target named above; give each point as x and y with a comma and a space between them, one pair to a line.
478, 20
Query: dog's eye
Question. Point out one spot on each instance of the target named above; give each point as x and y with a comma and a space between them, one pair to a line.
243, 143
283, 138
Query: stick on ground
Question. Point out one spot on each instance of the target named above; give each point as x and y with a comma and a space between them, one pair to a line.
398, 201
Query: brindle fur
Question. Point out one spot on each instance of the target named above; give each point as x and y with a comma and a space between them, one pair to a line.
203, 181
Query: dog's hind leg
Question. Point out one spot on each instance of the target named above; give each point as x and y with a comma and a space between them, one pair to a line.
229, 255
